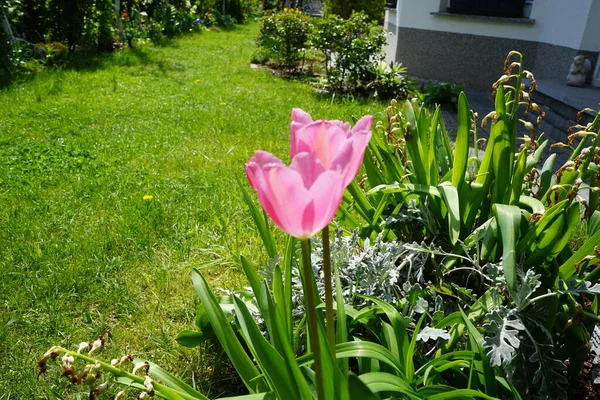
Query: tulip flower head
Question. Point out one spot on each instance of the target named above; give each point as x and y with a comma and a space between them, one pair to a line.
327, 139
302, 198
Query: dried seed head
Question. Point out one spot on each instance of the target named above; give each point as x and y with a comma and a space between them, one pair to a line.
143, 395
42, 363
120, 395
114, 362
101, 388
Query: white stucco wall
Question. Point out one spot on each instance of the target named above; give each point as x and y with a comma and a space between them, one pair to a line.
591, 34
569, 23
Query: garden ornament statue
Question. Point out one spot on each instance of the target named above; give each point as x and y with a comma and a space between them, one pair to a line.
578, 71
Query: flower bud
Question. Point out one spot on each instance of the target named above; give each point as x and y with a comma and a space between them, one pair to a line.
148, 385
82, 346
97, 344
101, 388
139, 366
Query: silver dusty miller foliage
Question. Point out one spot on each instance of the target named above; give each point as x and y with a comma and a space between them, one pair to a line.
378, 269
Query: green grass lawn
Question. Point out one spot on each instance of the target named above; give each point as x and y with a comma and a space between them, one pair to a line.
82, 251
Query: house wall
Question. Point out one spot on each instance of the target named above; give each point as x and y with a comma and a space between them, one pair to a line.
472, 50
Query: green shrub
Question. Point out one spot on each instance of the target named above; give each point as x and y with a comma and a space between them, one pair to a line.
390, 82
285, 34
441, 93
373, 9
352, 48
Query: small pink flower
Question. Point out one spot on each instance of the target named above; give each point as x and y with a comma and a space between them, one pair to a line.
301, 199
327, 139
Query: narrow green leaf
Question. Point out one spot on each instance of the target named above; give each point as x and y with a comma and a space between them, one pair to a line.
341, 322
357, 349
594, 223
533, 204
261, 223
171, 381
461, 149
482, 365
191, 339
508, 219
458, 393
399, 324
404, 187
385, 382
568, 268
518, 178
270, 361
503, 155
288, 260
358, 390
224, 332
409, 364
450, 196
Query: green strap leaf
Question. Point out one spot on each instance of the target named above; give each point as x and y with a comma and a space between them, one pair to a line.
261, 221
568, 268
270, 361
508, 219
224, 332
450, 196
461, 149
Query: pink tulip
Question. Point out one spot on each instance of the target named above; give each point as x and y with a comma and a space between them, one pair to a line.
327, 138
301, 199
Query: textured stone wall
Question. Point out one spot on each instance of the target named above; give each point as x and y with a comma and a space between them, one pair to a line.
477, 61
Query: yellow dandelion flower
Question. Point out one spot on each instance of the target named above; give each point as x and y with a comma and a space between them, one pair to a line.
148, 197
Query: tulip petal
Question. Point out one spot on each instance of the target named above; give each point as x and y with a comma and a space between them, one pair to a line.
308, 166
300, 119
325, 198
259, 160
363, 124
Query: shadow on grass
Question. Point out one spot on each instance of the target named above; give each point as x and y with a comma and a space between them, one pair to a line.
89, 60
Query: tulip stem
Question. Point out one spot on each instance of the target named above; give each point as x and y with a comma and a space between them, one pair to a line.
328, 290
313, 325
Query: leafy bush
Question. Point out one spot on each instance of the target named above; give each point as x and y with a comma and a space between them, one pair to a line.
8, 62
285, 35
351, 47
373, 9
441, 93
390, 82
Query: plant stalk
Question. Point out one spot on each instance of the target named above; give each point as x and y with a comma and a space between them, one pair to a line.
328, 289
313, 325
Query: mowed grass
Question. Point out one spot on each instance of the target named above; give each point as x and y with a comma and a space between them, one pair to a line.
82, 251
